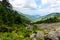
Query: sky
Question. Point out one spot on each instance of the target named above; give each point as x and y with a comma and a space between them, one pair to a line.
36, 7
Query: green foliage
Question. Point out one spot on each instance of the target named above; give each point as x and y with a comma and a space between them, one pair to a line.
12, 23
12, 36
11, 17
35, 28
51, 18
6, 4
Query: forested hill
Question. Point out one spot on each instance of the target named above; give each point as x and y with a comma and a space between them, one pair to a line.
10, 19
8, 16
50, 18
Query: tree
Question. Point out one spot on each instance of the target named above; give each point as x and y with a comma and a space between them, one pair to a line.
6, 4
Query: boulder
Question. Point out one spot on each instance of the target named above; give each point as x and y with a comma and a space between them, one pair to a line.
40, 34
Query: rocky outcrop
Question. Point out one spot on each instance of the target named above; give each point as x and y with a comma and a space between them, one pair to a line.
53, 35
40, 34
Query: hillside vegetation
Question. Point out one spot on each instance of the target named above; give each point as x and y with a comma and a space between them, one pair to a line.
17, 26
50, 18
12, 24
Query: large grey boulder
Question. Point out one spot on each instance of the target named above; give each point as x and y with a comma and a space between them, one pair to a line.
53, 35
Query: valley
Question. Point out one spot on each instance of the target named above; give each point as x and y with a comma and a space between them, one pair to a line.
15, 25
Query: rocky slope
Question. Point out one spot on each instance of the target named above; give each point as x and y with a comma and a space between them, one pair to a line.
52, 31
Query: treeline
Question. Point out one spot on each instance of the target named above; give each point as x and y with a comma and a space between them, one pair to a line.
53, 19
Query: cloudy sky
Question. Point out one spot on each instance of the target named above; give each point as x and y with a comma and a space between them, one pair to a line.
36, 7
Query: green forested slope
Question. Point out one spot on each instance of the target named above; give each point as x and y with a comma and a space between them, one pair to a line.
12, 24
50, 18
9, 16
15, 26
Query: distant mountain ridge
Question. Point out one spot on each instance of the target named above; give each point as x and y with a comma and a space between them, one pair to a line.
50, 18
33, 17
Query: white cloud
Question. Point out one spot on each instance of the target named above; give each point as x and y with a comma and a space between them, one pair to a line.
43, 2
24, 3
46, 6
48, 1
31, 3
0, 0
52, 6
18, 3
